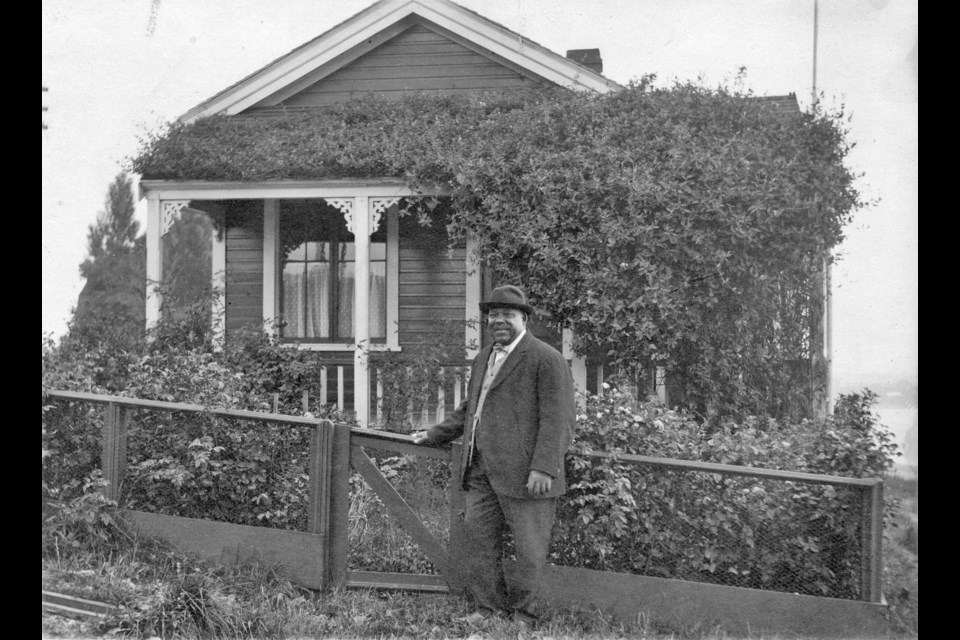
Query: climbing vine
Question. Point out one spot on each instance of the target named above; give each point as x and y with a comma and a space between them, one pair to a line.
682, 227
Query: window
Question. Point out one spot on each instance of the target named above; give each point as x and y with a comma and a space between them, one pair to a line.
318, 267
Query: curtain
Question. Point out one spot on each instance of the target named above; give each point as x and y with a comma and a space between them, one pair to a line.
293, 284
318, 300
378, 300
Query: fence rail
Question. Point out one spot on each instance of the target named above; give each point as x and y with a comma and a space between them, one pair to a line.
335, 448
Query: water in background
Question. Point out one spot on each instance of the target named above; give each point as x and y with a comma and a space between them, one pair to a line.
897, 407
901, 418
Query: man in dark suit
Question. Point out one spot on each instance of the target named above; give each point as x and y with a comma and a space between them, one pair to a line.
517, 423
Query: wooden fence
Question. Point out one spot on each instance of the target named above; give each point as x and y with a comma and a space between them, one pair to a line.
318, 558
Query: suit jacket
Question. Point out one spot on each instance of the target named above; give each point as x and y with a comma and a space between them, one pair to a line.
527, 422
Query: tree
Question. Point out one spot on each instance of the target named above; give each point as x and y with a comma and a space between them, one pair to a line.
111, 306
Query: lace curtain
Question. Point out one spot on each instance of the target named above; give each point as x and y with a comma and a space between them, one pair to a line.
307, 297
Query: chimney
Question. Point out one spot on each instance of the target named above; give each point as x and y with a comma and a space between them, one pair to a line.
589, 58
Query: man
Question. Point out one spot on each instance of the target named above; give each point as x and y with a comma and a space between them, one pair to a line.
517, 423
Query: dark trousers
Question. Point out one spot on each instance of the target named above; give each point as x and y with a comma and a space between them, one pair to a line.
487, 518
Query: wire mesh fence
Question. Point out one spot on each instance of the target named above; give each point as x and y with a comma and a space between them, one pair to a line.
376, 541
222, 468
780, 532
736, 526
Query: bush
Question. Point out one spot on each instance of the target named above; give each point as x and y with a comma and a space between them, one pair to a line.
749, 532
87, 520
672, 523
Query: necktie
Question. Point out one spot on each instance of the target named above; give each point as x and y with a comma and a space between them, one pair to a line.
498, 354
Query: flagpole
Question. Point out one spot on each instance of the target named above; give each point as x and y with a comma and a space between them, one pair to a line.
826, 320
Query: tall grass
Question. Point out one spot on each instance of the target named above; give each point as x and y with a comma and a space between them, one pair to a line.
901, 554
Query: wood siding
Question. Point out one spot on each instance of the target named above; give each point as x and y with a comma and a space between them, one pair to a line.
432, 282
244, 280
418, 59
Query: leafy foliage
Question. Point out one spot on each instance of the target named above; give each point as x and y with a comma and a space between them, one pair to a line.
693, 525
234, 470
410, 379
683, 227
750, 532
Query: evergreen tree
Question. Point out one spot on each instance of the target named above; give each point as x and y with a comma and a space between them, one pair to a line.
111, 305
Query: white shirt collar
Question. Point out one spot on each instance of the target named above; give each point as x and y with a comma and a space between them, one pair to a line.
509, 348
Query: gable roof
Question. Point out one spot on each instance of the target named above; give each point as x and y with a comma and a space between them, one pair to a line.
378, 23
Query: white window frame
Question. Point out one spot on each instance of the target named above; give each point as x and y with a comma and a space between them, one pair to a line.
272, 283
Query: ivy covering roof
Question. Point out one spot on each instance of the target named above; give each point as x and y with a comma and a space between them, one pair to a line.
684, 227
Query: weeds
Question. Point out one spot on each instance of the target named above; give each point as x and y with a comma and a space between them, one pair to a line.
901, 555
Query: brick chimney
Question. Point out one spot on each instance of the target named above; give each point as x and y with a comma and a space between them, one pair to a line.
589, 58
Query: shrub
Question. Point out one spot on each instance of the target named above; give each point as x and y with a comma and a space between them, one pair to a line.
675, 523
701, 526
87, 520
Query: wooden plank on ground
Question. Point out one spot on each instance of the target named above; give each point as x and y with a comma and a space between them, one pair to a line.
73, 606
295, 553
682, 605
399, 509
396, 581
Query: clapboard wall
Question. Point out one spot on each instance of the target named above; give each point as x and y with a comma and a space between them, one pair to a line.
244, 276
417, 60
432, 283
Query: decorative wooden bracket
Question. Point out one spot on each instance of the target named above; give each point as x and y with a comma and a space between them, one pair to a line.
345, 205
378, 207
170, 211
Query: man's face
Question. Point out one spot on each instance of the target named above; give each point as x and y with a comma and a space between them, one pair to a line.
505, 324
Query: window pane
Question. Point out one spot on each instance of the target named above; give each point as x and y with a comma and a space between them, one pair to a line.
293, 284
318, 300
345, 309
318, 251
378, 300
378, 250
296, 253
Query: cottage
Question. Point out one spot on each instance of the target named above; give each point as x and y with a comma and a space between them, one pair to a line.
331, 265
297, 249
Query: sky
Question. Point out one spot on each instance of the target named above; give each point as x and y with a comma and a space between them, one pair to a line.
116, 70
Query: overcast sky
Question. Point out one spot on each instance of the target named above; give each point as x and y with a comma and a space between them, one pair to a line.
117, 69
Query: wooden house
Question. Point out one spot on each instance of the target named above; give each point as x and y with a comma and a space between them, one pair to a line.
296, 249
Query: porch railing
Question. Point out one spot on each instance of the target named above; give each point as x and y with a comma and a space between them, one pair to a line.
433, 402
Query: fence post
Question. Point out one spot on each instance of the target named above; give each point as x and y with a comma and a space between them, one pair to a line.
330, 498
113, 454
339, 505
871, 543
457, 505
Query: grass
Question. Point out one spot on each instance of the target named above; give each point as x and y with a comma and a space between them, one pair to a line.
901, 554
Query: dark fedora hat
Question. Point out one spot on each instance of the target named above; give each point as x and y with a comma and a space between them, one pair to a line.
507, 296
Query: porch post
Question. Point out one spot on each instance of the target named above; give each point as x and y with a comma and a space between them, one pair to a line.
218, 258
473, 326
271, 240
161, 215
578, 364
361, 309
154, 262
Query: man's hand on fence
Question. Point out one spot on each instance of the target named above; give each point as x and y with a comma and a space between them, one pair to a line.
419, 437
